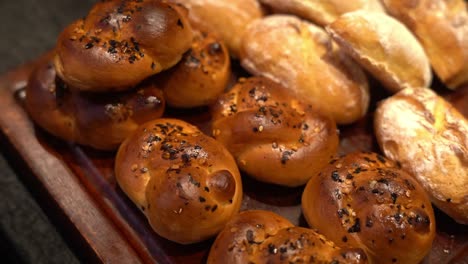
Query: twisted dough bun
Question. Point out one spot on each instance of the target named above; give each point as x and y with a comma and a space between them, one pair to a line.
383, 46
442, 28
185, 182
101, 121
274, 137
228, 19
303, 58
429, 137
200, 77
121, 43
265, 237
363, 200
322, 12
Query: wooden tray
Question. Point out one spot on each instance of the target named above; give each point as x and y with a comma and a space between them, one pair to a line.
77, 189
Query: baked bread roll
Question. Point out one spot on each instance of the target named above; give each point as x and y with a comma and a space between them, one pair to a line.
364, 200
442, 28
200, 77
385, 47
322, 12
264, 237
303, 58
121, 43
101, 121
185, 182
430, 139
228, 19
273, 136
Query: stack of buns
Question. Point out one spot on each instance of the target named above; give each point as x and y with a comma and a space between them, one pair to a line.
308, 67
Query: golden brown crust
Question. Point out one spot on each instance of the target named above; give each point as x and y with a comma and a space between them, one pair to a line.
185, 182
322, 12
364, 200
101, 121
121, 43
383, 46
200, 77
264, 237
303, 58
442, 28
430, 139
274, 137
228, 19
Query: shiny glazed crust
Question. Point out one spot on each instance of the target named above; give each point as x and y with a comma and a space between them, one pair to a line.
302, 57
322, 12
364, 200
185, 182
383, 46
200, 77
273, 136
442, 28
228, 19
121, 43
101, 121
429, 138
264, 237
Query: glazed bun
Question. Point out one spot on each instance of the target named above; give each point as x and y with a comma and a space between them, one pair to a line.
303, 58
200, 77
228, 19
442, 28
428, 136
322, 12
101, 121
186, 183
273, 136
264, 237
385, 47
121, 43
364, 200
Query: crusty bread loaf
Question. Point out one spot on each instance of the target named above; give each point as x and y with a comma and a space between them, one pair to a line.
273, 136
264, 237
186, 183
121, 43
228, 19
442, 28
364, 200
385, 47
303, 58
429, 138
101, 121
200, 77
322, 12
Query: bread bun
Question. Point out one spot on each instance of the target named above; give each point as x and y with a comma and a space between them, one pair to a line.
228, 19
101, 121
121, 43
442, 28
200, 77
383, 46
185, 182
363, 200
274, 137
429, 138
302, 57
265, 237
322, 12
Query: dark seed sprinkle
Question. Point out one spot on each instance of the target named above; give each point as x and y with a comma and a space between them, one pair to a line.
356, 227
394, 197
201, 199
272, 249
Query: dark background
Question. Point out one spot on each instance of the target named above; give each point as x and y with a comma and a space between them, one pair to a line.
28, 28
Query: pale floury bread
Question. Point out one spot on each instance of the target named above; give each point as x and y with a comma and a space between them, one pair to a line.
322, 12
303, 58
385, 47
442, 28
430, 139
